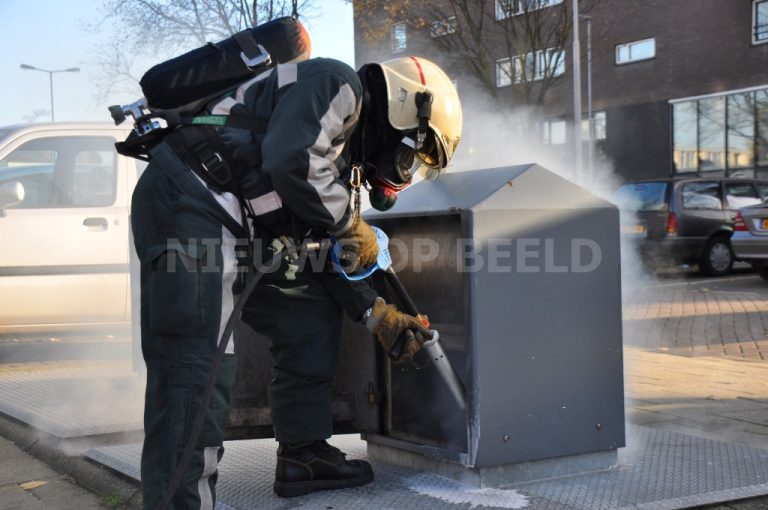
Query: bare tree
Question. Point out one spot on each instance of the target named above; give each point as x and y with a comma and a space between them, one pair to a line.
34, 115
149, 31
514, 48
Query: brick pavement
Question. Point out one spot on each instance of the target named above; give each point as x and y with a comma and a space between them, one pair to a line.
695, 320
719, 398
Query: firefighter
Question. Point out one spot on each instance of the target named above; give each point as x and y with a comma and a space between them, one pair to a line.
392, 119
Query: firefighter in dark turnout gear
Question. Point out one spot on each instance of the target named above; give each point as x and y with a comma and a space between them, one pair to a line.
322, 118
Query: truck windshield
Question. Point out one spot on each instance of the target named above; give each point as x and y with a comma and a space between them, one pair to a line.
645, 196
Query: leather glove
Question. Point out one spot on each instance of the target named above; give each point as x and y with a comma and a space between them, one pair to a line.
359, 248
387, 324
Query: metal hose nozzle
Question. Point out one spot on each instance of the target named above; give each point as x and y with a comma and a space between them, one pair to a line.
434, 351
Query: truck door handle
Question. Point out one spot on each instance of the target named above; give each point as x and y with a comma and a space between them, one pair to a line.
95, 224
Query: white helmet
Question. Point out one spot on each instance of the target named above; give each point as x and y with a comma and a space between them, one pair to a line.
406, 78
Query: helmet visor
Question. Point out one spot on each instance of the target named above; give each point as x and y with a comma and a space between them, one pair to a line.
429, 160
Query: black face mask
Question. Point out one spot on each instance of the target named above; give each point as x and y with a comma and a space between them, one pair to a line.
390, 171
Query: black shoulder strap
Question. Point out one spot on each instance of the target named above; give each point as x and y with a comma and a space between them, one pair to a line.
245, 40
203, 151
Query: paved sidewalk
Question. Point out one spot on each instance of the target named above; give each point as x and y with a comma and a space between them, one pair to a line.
697, 318
717, 398
27, 483
696, 363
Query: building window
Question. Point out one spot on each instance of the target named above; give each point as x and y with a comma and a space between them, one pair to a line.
761, 137
725, 132
399, 37
636, 51
740, 138
553, 132
712, 134
503, 72
550, 61
600, 126
443, 27
685, 155
760, 21
532, 66
508, 8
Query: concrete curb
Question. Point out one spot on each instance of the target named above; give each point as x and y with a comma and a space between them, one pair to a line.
98, 479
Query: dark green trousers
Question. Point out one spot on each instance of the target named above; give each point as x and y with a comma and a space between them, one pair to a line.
176, 377
185, 242
301, 317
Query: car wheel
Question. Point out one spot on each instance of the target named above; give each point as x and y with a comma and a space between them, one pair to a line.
762, 270
717, 259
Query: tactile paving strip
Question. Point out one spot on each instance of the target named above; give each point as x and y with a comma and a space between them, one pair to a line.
662, 470
73, 402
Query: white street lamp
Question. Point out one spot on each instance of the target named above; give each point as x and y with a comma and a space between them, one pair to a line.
50, 77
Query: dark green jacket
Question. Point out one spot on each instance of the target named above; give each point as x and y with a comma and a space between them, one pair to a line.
296, 168
312, 107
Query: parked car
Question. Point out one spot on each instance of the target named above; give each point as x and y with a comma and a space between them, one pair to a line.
750, 237
64, 205
687, 220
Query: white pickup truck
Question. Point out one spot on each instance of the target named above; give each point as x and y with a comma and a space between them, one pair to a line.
65, 196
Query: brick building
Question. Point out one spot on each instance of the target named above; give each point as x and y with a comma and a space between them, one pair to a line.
677, 86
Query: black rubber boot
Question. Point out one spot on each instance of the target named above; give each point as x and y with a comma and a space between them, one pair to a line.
315, 466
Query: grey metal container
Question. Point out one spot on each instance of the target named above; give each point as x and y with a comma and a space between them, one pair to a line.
520, 274
534, 332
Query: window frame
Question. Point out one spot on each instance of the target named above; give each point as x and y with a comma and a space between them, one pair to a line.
508, 74
393, 40
629, 45
546, 131
501, 15
754, 28
757, 102
516, 63
585, 125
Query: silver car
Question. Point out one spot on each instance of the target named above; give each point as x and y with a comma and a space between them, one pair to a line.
64, 205
750, 237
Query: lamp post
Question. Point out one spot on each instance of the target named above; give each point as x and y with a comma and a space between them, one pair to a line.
577, 92
50, 77
590, 113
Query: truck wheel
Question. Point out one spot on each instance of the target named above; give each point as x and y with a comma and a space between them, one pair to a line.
717, 259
